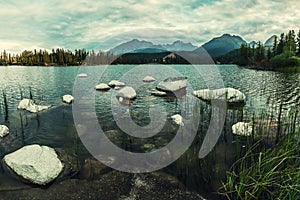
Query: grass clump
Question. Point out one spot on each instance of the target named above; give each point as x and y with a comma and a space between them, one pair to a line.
266, 173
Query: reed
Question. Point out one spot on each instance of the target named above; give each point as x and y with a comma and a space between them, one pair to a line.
5, 104
266, 172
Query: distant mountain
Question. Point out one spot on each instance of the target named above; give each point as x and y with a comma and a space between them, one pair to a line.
180, 46
253, 43
222, 45
138, 46
270, 41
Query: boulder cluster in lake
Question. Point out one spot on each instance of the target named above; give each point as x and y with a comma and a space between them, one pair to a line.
29, 105
231, 95
34, 163
4, 131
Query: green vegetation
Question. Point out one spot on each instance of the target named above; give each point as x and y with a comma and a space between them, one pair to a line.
269, 171
285, 52
58, 57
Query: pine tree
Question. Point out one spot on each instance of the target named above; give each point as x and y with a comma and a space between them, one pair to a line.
280, 45
274, 48
298, 43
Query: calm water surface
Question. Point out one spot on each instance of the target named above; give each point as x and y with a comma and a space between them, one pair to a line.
55, 127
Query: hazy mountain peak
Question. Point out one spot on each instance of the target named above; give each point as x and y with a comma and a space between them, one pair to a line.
136, 46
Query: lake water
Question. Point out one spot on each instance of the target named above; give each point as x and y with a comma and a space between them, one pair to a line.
55, 127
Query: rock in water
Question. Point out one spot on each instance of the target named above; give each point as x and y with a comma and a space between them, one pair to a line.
4, 131
158, 93
231, 95
172, 84
148, 79
82, 75
29, 105
242, 129
35, 163
102, 86
177, 119
115, 83
68, 98
125, 94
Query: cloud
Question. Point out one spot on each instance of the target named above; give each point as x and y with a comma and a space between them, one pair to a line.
103, 24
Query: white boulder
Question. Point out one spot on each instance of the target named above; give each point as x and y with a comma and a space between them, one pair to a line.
242, 129
177, 119
82, 75
126, 93
115, 83
148, 79
35, 163
172, 84
68, 98
102, 86
29, 105
158, 93
4, 131
231, 95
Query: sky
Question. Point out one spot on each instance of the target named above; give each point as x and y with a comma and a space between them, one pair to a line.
102, 24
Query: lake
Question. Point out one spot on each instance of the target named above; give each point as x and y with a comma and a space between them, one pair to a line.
265, 90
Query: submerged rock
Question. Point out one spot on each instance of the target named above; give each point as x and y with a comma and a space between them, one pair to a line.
177, 119
115, 83
92, 169
4, 131
242, 129
148, 79
172, 84
68, 98
35, 163
231, 95
112, 185
102, 86
125, 94
29, 105
158, 93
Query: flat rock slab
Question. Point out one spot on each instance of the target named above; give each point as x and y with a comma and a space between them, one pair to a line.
82, 75
158, 93
37, 164
102, 86
148, 79
172, 84
29, 105
4, 131
116, 83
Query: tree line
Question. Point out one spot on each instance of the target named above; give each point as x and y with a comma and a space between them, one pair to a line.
285, 52
57, 57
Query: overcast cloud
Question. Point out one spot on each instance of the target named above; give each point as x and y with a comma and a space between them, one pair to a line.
30, 24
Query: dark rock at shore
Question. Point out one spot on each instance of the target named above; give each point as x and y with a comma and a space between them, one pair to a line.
113, 185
